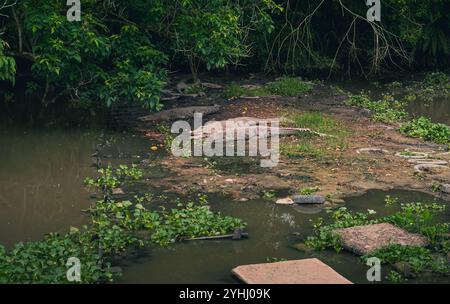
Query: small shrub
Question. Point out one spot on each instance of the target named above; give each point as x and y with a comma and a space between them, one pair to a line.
285, 86
308, 191
385, 110
289, 86
427, 130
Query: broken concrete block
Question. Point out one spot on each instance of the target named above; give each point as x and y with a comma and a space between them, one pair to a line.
308, 199
307, 271
364, 239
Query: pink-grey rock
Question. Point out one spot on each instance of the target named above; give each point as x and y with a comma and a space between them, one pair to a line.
285, 201
365, 239
118, 191
306, 271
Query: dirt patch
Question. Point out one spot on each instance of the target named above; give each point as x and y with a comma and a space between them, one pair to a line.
342, 168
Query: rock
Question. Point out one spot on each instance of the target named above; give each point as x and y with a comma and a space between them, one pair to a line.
243, 199
237, 234
284, 201
306, 271
429, 168
365, 239
210, 85
403, 268
229, 180
372, 150
427, 161
412, 155
445, 188
303, 247
117, 191
308, 199
180, 113
337, 201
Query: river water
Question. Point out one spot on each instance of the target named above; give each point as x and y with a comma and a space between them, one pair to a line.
41, 191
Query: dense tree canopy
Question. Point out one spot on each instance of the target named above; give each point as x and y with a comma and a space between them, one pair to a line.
124, 49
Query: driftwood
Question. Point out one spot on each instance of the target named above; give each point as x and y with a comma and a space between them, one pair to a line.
237, 235
180, 113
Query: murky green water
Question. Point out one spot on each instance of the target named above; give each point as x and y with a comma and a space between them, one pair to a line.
273, 229
41, 191
42, 173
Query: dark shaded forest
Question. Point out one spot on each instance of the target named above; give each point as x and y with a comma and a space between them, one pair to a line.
128, 49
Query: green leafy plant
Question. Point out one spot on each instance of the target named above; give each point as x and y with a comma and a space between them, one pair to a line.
389, 200
268, 195
422, 127
289, 86
111, 178
45, 261
308, 191
284, 86
395, 277
192, 221
385, 110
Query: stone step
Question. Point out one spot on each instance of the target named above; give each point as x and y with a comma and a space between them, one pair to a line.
306, 271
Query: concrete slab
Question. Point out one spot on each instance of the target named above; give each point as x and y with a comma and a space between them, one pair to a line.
364, 239
306, 271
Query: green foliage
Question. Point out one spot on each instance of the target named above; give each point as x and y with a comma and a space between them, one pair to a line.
422, 127
268, 195
116, 228
289, 86
308, 191
275, 260
7, 65
192, 221
235, 91
389, 200
311, 145
434, 86
318, 122
210, 33
90, 60
111, 178
137, 74
45, 261
284, 86
419, 259
385, 110
324, 237
395, 277
415, 216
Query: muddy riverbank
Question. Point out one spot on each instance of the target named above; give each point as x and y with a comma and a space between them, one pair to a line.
366, 155
42, 187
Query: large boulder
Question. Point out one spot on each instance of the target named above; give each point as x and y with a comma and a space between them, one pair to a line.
365, 239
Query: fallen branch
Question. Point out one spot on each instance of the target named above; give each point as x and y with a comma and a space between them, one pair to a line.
219, 237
